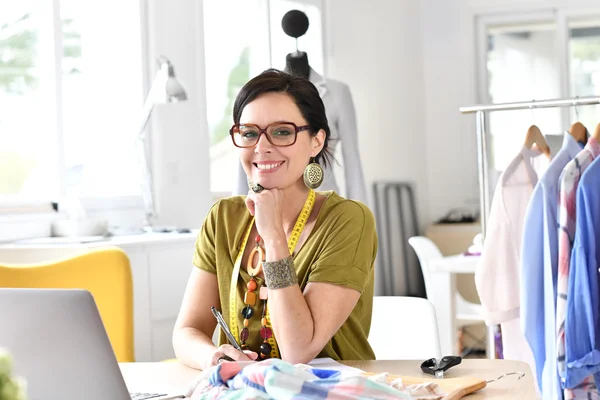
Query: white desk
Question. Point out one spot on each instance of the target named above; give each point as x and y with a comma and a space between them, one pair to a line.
443, 296
160, 265
174, 377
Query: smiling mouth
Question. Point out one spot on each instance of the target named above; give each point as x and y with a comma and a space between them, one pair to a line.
268, 167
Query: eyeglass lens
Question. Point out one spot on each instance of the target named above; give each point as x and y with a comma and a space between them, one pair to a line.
277, 134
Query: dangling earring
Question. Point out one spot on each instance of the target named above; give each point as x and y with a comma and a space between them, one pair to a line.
313, 174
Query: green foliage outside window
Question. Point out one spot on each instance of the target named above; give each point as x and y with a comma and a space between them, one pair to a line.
239, 75
18, 57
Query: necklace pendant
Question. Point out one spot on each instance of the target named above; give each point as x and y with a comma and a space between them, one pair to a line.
247, 312
266, 333
263, 294
255, 270
250, 298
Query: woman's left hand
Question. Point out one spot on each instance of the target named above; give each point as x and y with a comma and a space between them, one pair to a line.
267, 209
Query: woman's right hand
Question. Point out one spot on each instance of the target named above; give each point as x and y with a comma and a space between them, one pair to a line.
230, 351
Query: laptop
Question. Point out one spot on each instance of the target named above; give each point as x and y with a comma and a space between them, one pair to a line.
60, 346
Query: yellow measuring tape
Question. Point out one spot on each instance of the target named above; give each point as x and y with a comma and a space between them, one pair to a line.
292, 242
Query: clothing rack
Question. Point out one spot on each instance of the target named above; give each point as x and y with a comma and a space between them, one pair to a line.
482, 155
480, 121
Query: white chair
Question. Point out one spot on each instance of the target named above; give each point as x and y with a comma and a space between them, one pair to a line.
404, 328
467, 313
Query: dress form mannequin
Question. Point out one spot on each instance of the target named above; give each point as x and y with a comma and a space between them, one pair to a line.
340, 115
297, 63
295, 24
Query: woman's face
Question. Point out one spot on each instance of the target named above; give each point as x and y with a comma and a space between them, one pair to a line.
273, 166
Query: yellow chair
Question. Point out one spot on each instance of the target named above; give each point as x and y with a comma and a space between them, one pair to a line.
104, 272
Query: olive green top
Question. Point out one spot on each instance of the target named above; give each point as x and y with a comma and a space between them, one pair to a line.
340, 250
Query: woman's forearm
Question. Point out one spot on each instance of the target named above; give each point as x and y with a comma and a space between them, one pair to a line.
192, 347
290, 315
293, 324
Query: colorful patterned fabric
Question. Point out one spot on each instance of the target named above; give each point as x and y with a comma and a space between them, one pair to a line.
567, 212
277, 379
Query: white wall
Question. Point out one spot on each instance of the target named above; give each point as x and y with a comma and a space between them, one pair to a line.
405, 65
373, 46
448, 43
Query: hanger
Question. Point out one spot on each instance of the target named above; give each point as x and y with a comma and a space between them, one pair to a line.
534, 136
578, 130
597, 133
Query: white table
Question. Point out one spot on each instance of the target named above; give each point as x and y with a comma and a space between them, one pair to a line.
173, 377
443, 296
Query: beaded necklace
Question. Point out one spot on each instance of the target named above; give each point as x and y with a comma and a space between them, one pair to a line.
269, 346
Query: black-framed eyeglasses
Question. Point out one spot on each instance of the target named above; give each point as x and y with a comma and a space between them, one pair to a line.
281, 134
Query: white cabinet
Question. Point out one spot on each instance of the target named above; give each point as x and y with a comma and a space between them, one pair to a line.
160, 264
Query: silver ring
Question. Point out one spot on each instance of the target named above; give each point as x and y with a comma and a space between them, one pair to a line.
257, 187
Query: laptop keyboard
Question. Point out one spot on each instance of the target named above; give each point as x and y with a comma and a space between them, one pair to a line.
144, 396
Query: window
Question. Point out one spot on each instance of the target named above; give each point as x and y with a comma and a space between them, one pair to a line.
584, 65
544, 56
102, 95
70, 95
236, 48
522, 64
234, 54
28, 152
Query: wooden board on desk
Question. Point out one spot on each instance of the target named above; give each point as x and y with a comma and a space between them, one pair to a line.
456, 388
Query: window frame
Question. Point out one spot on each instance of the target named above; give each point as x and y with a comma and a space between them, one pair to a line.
560, 16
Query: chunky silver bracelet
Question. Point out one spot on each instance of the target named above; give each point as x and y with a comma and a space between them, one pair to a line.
280, 274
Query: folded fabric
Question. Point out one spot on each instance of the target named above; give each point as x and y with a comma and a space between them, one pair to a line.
277, 379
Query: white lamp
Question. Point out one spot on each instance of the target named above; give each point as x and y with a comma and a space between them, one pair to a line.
165, 89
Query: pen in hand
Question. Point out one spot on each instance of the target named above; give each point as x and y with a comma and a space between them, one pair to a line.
225, 328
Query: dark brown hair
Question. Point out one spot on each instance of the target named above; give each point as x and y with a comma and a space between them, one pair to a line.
300, 89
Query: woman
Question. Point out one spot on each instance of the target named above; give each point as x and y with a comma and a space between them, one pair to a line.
319, 299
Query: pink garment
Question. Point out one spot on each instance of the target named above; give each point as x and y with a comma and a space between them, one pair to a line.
497, 277
567, 212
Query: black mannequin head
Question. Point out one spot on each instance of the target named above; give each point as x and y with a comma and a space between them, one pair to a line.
295, 24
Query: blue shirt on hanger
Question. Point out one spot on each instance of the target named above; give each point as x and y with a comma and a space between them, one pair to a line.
582, 321
539, 261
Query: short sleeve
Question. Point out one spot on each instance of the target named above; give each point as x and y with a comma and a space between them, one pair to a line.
204, 251
348, 254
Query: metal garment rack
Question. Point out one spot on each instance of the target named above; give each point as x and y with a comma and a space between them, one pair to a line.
482, 156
